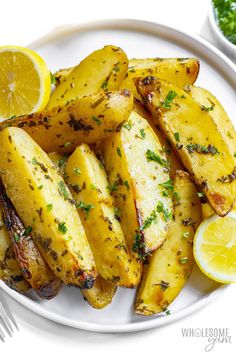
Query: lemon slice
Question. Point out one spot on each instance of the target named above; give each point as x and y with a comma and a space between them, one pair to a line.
214, 247
25, 82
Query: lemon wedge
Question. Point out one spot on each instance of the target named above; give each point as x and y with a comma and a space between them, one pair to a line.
25, 81
214, 247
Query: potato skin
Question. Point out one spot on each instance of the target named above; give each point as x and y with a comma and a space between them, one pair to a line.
44, 203
88, 119
201, 146
131, 172
89, 186
10, 271
171, 265
179, 71
101, 294
104, 69
35, 270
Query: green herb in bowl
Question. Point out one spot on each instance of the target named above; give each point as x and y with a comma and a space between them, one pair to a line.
226, 17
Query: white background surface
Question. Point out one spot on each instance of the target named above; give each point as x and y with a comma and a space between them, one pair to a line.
21, 22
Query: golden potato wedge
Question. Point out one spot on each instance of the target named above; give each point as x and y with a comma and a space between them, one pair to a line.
101, 294
175, 162
33, 267
44, 203
179, 71
211, 104
88, 119
104, 69
10, 272
171, 265
89, 186
140, 183
196, 138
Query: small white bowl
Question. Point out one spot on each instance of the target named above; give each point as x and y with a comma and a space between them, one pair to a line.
226, 46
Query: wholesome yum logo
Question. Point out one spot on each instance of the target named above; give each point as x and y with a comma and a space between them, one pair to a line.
212, 335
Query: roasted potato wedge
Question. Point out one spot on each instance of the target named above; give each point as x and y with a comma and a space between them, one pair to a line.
34, 268
104, 69
101, 294
211, 104
171, 265
89, 186
195, 136
45, 204
179, 71
10, 272
88, 119
140, 183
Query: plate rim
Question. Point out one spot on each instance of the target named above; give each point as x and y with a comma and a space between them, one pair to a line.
118, 328
143, 27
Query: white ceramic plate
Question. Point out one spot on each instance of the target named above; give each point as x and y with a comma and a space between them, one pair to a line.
66, 46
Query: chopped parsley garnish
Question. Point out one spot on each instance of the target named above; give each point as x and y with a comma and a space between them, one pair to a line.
152, 156
200, 194
104, 85
41, 165
16, 238
148, 221
176, 196
138, 245
62, 161
116, 68
62, 227
27, 231
168, 100
126, 184
77, 171
142, 133
96, 119
40, 187
34, 161
69, 238
118, 151
93, 187
176, 136
53, 79
166, 213
195, 147
49, 207
183, 260
63, 190
112, 187
85, 207
167, 311
226, 17
127, 125
168, 187
67, 144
